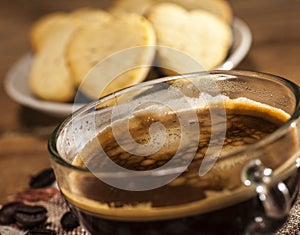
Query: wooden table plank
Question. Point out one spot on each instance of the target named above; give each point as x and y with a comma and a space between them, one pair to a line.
21, 157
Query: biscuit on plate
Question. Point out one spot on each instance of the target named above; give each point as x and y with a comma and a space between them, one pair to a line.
198, 34
43, 27
221, 8
49, 76
94, 45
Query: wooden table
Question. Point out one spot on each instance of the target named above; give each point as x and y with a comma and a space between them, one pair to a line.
24, 132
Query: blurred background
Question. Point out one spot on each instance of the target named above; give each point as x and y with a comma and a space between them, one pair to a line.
24, 132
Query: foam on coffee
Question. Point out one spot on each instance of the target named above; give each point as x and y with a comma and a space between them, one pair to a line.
188, 194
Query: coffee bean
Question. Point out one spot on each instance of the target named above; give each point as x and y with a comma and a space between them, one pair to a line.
7, 212
41, 231
43, 179
69, 221
31, 216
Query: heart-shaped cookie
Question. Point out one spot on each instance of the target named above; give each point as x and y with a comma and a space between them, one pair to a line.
107, 57
221, 8
50, 77
43, 28
197, 35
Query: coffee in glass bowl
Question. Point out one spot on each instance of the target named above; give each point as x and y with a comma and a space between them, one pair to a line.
200, 153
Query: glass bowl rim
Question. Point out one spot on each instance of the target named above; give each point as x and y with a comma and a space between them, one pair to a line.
290, 123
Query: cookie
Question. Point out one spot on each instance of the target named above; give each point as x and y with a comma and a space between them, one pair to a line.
49, 77
196, 36
221, 8
43, 27
96, 51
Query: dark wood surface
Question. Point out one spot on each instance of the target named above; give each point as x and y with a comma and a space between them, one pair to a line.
275, 25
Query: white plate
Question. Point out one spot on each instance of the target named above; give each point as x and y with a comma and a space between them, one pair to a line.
16, 82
